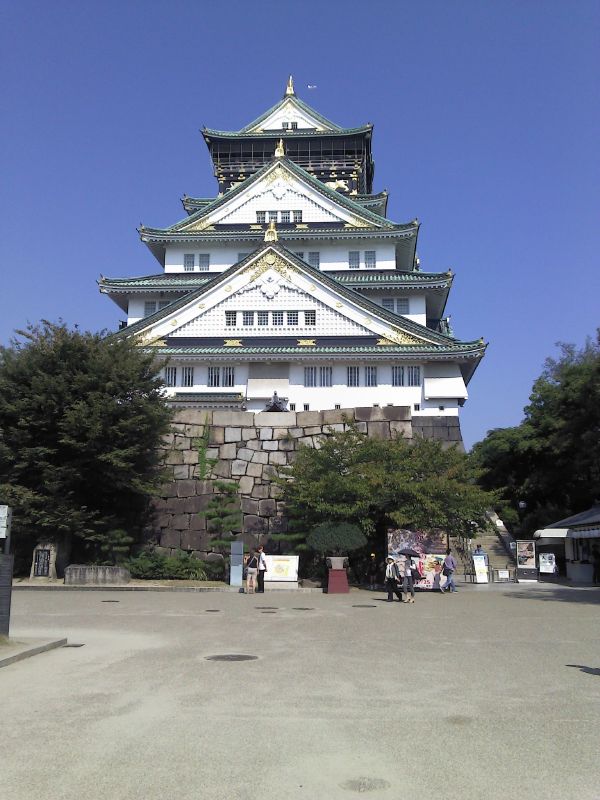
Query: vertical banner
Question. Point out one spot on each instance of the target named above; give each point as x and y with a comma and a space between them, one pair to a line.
548, 563
481, 569
526, 565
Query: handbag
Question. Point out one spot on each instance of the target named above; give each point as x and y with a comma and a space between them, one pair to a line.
416, 575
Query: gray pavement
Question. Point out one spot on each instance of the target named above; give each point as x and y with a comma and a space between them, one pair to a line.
493, 692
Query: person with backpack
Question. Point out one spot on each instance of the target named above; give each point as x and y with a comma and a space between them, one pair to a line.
251, 572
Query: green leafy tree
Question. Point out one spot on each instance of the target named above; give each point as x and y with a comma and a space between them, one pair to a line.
81, 417
552, 460
375, 484
336, 538
223, 514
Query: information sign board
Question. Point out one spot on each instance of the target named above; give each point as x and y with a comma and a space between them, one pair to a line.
282, 568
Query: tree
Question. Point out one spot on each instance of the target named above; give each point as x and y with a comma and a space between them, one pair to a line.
223, 515
336, 538
551, 460
81, 417
375, 484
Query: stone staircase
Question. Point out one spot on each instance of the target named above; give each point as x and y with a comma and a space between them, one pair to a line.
492, 544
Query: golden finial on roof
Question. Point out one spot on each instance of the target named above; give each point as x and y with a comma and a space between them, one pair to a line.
289, 89
271, 233
280, 149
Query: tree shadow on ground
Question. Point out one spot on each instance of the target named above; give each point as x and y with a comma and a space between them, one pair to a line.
587, 670
560, 594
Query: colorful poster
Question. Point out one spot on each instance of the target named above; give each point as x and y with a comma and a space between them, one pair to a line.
526, 555
548, 563
430, 546
481, 570
282, 568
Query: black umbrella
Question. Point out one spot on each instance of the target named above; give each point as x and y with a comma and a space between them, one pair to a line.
408, 552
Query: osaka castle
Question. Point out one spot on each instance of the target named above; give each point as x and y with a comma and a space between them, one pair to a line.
292, 289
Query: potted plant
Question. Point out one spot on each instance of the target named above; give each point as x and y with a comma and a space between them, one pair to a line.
335, 540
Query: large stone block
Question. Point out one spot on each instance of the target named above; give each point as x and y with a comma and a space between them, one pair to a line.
296, 433
369, 414
275, 418
254, 524
212, 452
379, 430
197, 522
332, 416
275, 490
265, 433
397, 412
233, 434
182, 442
181, 472
186, 488
306, 418
194, 416
267, 508
270, 445
238, 467
233, 418
260, 491
190, 456
398, 428
248, 434
175, 505
338, 427
287, 444
254, 469
163, 521
269, 472
249, 506
216, 435
307, 441
194, 505
245, 454
170, 538
193, 431
222, 469
260, 458
174, 457
168, 489
361, 427
167, 440
278, 525
277, 458
228, 450
204, 487
193, 540
246, 484
311, 430
254, 444
180, 522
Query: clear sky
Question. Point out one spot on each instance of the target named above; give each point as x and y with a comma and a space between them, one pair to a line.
487, 129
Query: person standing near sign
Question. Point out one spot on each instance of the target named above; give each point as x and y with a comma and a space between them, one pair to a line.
262, 568
408, 581
392, 580
448, 570
251, 572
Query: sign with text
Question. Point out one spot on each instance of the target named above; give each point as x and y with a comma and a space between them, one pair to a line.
481, 570
5, 520
282, 568
526, 565
548, 563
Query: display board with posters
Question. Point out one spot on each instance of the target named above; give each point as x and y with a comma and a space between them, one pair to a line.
430, 545
481, 569
526, 566
548, 563
282, 568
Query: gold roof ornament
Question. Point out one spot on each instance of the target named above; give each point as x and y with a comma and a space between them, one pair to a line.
289, 89
271, 233
280, 149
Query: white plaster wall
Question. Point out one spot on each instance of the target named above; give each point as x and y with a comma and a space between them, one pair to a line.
417, 302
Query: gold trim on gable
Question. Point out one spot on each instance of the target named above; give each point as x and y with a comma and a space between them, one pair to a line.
232, 343
306, 342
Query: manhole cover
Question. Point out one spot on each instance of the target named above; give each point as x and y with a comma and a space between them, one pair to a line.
300, 608
213, 610
266, 608
110, 601
365, 784
364, 606
232, 657
73, 645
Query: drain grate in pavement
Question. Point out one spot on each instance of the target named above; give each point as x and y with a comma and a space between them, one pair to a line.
268, 612
301, 608
267, 608
363, 606
73, 645
213, 610
232, 657
110, 601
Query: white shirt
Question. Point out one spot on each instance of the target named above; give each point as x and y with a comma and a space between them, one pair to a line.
262, 562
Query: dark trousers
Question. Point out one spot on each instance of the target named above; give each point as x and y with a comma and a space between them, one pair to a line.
392, 588
260, 579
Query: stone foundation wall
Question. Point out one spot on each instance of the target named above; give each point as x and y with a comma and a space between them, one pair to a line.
249, 448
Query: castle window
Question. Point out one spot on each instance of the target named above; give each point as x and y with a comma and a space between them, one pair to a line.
310, 376
188, 262
247, 318
310, 317
353, 376
204, 261
228, 376
314, 259
261, 217
325, 376
417, 407
277, 318
370, 376
285, 216
414, 376
402, 305
214, 376
230, 319
300, 255
388, 303
354, 259
397, 376
262, 317
171, 376
292, 406
296, 216
306, 407
292, 317
272, 216
149, 307
187, 376
370, 259
163, 304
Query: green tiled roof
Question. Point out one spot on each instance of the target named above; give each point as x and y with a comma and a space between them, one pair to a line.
441, 279
163, 281
466, 349
282, 133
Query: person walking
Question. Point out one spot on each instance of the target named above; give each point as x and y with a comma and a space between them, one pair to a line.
392, 580
448, 570
262, 568
408, 583
251, 572
372, 571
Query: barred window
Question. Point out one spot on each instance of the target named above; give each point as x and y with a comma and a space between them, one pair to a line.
277, 318
388, 303
149, 307
370, 376
261, 217
310, 376
228, 376
163, 304
300, 254
285, 216
314, 259
187, 376
370, 259
414, 376
353, 376
204, 261
171, 376
247, 318
306, 407
230, 319
214, 376
296, 216
188, 262
325, 376
292, 406
397, 376
402, 305
354, 259
310, 317
262, 317
272, 216
292, 317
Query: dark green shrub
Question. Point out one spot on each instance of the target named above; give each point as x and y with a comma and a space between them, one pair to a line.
336, 538
154, 565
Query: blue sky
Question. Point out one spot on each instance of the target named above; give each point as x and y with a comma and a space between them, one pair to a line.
486, 128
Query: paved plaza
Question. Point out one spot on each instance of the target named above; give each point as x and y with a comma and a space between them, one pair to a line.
493, 692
